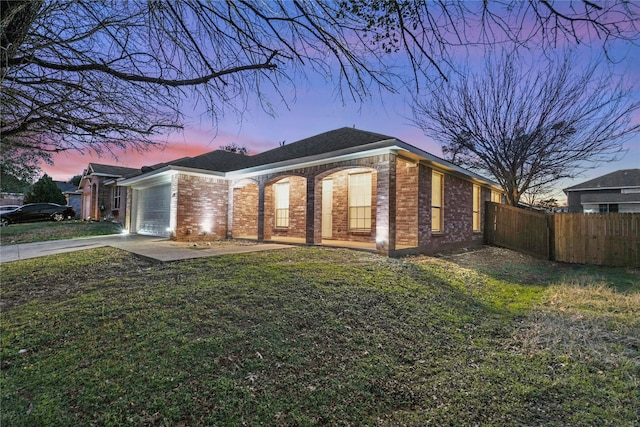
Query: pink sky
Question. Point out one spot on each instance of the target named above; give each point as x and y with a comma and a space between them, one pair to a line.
314, 113
317, 109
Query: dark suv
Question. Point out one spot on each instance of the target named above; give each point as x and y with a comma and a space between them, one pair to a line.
37, 212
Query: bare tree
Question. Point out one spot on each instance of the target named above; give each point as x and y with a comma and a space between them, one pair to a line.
529, 126
116, 73
234, 147
429, 31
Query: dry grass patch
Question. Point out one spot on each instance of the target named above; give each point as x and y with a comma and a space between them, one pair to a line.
584, 319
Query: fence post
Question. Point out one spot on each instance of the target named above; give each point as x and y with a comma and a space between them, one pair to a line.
551, 228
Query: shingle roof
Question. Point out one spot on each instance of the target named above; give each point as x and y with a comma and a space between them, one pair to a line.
115, 171
334, 140
65, 186
338, 139
617, 179
218, 160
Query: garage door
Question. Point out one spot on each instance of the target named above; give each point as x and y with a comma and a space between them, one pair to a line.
153, 210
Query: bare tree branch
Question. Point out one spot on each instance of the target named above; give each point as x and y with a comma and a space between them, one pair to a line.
529, 126
116, 73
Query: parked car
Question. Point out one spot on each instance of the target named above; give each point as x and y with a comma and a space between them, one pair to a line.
37, 212
7, 208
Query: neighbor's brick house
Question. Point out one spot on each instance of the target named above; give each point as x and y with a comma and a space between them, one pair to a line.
101, 195
341, 186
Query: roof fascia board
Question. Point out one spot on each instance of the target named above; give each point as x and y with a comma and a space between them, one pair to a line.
601, 188
446, 166
198, 172
133, 181
139, 181
104, 174
604, 202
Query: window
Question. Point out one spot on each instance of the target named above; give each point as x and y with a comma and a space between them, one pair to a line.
437, 188
604, 208
496, 197
116, 197
476, 208
360, 202
281, 190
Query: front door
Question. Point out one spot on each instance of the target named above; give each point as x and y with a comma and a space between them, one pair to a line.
327, 209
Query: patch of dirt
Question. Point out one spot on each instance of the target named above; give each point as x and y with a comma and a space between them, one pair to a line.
493, 257
503, 264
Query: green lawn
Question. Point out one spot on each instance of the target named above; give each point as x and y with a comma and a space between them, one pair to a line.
311, 336
47, 230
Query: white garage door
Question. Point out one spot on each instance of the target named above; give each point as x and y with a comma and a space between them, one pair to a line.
153, 210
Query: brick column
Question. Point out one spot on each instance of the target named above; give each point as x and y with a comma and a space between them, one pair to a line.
229, 233
386, 206
260, 211
424, 207
314, 211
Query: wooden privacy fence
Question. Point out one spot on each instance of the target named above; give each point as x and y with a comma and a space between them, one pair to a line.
605, 239
517, 229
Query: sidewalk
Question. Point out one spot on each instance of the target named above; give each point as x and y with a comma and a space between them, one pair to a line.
158, 248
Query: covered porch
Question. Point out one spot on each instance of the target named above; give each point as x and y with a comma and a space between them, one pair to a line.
369, 204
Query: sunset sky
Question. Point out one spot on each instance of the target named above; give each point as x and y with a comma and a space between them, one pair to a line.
316, 109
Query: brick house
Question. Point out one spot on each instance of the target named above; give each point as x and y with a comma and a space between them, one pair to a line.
341, 187
102, 196
617, 191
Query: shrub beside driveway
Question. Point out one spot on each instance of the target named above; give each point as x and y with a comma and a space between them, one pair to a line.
316, 336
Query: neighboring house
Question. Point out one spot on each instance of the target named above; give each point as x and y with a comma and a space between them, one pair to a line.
73, 196
11, 199
343, 187
615, 192
102, 196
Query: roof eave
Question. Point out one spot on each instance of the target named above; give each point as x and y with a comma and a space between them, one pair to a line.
145, 176
600, 188
168, 170
447, 166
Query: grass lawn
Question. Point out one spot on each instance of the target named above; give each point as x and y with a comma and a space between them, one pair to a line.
317, 336
47, 230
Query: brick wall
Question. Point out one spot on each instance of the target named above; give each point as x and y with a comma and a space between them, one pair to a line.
98, 204
245, 211
201, 208
457, 210
406, 203
110, 210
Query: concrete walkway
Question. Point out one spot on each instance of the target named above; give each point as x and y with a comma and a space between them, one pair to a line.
157, 248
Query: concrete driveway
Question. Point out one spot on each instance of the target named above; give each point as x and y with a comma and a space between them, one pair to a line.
157, 248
